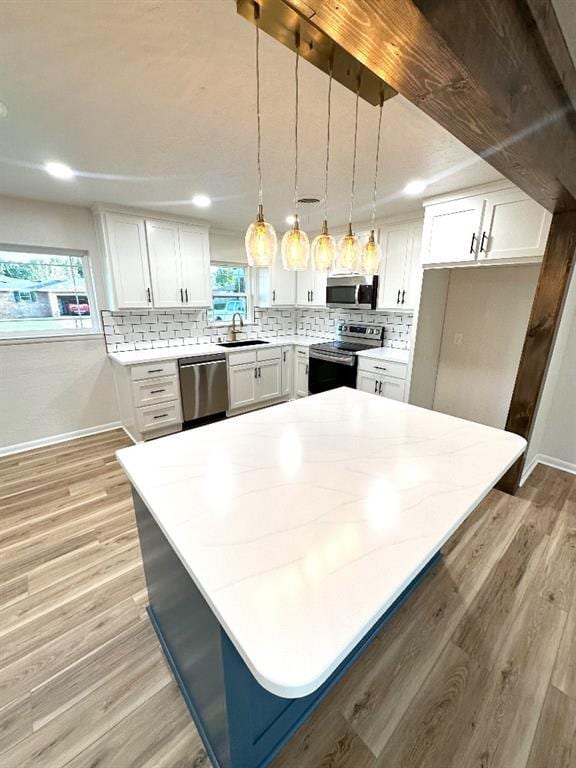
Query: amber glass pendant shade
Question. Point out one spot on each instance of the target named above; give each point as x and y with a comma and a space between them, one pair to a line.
261, 242
295, 249
349, 251
324, 250
371, 256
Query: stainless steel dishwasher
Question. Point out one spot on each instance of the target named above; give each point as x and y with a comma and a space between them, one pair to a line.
204, 387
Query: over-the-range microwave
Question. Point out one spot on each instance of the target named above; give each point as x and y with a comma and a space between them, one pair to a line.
352, 292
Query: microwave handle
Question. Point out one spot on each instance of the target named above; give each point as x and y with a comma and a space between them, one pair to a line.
357, 294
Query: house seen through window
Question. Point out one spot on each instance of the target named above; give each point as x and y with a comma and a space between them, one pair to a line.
229, 292
44, 293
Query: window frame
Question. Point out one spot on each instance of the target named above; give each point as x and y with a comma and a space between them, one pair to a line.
90, 292
248, 293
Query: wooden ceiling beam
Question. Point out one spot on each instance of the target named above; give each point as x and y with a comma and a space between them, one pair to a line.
478, 69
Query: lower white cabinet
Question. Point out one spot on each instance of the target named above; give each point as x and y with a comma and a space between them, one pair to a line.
254, 377
301, 365
149, 398
241, 385
287, 371
382, 378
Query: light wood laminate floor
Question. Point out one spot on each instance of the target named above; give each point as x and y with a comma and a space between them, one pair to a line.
477, 670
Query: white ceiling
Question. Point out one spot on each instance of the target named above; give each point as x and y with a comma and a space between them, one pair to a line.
154, 101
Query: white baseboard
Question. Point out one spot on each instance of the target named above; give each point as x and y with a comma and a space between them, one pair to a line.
53, 439
549, 461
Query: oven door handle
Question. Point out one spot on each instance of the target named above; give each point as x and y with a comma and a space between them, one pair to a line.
327, 357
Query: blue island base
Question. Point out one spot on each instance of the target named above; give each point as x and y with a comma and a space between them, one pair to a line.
241, 724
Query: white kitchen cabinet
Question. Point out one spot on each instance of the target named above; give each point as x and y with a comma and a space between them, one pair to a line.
127, 258
269, 381
382, 377
301, 364
276, 286
195, 266
242, 385
164, 249
179, 265
513, 227
400, 272
452, 231
311, 288
497, 224
287, 371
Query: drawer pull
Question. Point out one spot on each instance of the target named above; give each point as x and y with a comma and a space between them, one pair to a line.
156, 391
379, 368
155, 370
161, 416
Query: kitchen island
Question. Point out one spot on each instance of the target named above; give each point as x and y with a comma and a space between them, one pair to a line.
276, 545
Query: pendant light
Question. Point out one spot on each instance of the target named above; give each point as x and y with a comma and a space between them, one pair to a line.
261, 243
324, 245
295, 244
349, 246
372, 253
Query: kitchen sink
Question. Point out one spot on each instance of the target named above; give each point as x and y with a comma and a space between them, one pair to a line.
247, 343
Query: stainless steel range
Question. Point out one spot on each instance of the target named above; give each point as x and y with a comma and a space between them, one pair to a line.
333, 364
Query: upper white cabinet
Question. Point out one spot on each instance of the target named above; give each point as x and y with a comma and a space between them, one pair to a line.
514, 226
276, 286
179, 265
155, 264
127, 257
400, 271
311, 288
496, 224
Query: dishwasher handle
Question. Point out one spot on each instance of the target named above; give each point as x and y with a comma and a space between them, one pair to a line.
197, 365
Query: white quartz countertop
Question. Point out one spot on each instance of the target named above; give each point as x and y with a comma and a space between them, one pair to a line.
302, 523
194, 350
385, 353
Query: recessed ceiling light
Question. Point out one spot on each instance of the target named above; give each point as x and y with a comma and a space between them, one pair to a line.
201, 201
415, 187
290, 220
3, 109
59, 170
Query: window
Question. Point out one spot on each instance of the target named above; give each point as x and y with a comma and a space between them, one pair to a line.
44, 292
229, 292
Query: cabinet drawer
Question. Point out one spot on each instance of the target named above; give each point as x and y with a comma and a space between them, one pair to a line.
392, 388
150, 391
153, 370
269, 354
242, 358
157, 416
382, 367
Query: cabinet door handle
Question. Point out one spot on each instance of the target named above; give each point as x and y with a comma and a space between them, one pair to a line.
284, 356
255, 373
312, 296
483, 242
398, 297
148, 296
186, 294
380, 389
403, 294
376, 387
472, 242
274, 296
181, 296
306, 369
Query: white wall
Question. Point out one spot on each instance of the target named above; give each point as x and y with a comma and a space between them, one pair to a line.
554, 434
50, 388
485, 323
227, 246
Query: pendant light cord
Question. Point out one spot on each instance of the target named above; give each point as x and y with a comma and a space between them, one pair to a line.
328, 142
258, 117
376, 164
296, 106
355, 147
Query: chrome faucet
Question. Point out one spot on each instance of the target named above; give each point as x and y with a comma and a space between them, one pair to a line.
235, 331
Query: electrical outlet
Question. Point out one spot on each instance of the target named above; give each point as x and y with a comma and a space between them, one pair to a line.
458, 339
